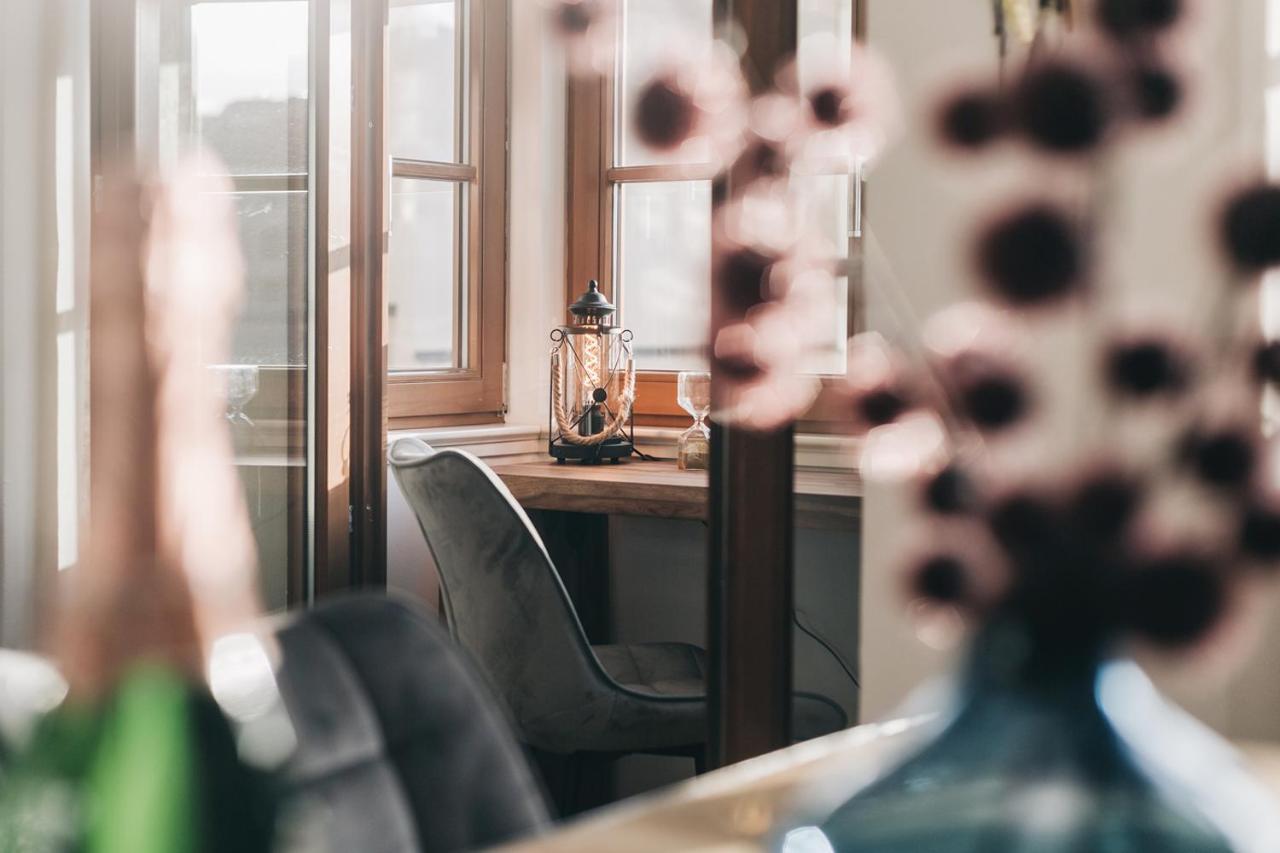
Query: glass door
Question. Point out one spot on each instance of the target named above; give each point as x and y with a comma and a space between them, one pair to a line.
232, 78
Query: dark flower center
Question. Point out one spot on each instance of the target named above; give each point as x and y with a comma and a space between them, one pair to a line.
942, 578
1061, 108
1103, 506
575, 18
1260, 534
829, 106
665, 115
1173, 601
1032, 256
1157, 92
765, 159
741, 279
1251, 228
1128, 18
1023, 524
1145, 369
994, 401
972, 120
950, 492
1266, 362
1221, 459
882, 406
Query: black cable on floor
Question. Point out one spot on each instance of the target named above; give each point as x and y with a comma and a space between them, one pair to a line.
831, 650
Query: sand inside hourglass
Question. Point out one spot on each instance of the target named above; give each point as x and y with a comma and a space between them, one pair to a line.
693, 393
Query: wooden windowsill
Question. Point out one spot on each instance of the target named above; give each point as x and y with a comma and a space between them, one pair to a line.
824, 499
525, 443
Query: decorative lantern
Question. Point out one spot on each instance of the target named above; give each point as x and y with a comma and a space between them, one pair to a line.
593, 384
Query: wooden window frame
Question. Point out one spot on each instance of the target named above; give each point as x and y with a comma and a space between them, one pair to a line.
473, 393
591, 205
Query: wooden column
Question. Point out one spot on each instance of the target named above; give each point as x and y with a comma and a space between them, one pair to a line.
751, 510
369, 222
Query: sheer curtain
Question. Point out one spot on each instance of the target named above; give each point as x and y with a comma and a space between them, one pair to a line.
44, 201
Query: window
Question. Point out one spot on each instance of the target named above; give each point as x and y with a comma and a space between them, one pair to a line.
445, 136
641, 223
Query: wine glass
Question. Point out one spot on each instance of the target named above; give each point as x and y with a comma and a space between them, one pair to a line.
693, 393
240, 383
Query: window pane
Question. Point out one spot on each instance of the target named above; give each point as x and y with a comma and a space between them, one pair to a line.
652, 32
826, 34
234, 77
663, 269
273, 322
424, 102
823, 202
249, 83
425, 276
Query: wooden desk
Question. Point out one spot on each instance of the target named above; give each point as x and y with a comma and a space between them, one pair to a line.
570, 504
825, 499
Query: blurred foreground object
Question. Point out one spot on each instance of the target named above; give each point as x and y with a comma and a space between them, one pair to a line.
1089, 481
140, 757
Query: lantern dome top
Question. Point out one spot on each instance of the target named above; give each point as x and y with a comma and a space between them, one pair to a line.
592, 305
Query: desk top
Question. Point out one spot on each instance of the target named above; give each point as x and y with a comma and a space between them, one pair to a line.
825, 499
737, 809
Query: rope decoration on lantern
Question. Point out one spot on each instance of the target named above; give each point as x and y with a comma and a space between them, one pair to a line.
622, 387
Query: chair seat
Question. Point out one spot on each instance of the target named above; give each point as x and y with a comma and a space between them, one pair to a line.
659, 669
679, 670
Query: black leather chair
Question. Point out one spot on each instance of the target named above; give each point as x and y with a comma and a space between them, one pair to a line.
505, 603
400, 747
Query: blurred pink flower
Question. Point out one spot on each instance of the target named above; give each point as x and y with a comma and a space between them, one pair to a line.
877, 385
693, 108
849, 111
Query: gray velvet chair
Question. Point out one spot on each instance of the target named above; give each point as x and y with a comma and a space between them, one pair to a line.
401, 748
505, 603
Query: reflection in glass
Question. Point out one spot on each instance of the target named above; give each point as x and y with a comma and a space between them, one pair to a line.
824, 206
653, 32
425, 269
663, 263
273, 237
240, 385
249, 84
424, 115
234, 78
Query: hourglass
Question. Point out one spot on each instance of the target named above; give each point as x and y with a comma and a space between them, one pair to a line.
693, 393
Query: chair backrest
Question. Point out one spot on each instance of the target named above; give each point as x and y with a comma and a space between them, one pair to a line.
400, 747
503, 599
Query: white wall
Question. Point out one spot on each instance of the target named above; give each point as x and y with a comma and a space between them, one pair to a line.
535, 300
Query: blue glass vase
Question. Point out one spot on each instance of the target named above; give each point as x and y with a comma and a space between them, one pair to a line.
1054, 754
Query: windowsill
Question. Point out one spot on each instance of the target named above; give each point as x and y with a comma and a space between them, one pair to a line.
507, 442
518, 443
